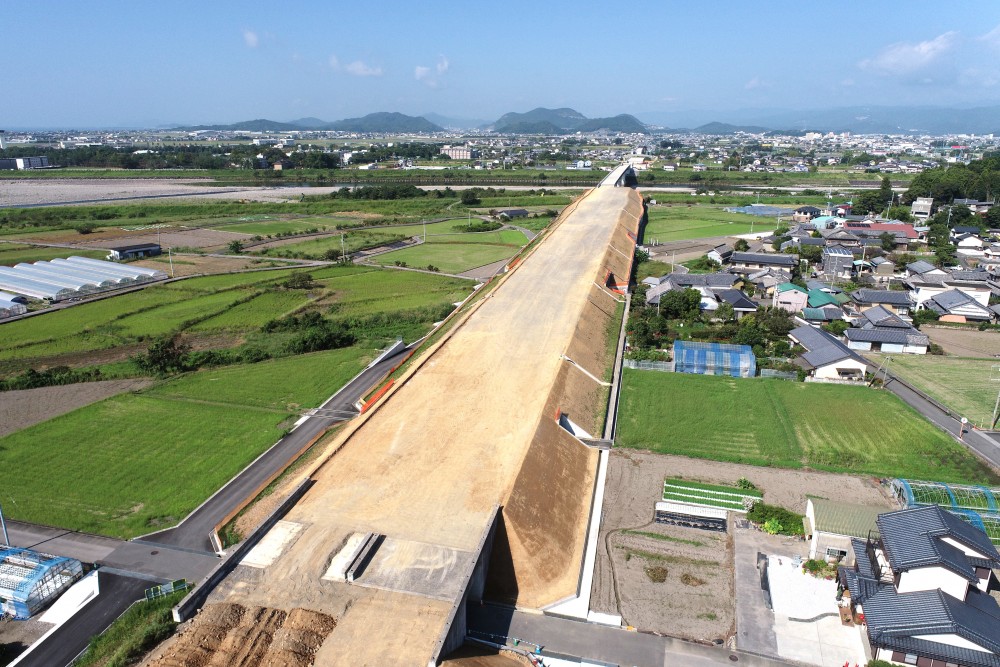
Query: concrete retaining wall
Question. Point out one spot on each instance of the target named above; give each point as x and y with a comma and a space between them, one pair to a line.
194, 602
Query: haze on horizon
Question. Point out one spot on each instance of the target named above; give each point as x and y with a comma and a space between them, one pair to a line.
111, 63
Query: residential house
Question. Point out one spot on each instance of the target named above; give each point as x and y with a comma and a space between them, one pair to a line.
883, 268
842, 237
922, 586
819, 316
805, 213
767, 280
830, 525
898, 303
838, 262
720, 254
969, 242
820, 299
974, 283
512, 213
878, 330
976, 206
790, 297
921, 207
922, 268
826, 357
741, 304
680, 281
747, 262
957, 306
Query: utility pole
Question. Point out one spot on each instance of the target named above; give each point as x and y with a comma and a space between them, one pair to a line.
343, 247
996, 407
171, 259
3, 525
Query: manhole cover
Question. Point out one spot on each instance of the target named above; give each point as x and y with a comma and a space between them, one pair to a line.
153, 553
734, 658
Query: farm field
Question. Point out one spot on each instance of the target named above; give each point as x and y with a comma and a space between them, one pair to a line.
273, 225
962, 384
456, 253
713, 495
237, 303
788, 424
680, 223
14, 253
138, 462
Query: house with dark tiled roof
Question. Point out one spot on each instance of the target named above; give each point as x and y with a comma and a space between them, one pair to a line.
747, 262
957, 306
923, 268
826, 357
929, 285
922, 586
738, 300
720, 254
878, 330
898, 303
703, 282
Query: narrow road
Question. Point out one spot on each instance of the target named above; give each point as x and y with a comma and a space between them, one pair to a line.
62, 647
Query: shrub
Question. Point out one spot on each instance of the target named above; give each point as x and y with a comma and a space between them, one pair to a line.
746, 484
776, 519
656, 573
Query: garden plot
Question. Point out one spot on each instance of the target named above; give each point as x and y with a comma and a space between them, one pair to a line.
710, 495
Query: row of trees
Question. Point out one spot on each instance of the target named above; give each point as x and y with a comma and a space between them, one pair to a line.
980, 179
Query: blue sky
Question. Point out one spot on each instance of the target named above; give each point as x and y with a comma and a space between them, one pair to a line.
117, 63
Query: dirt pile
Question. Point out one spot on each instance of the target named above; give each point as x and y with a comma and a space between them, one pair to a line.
231, 635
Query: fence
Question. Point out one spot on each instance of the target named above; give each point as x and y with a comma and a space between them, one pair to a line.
666, 366
784, 375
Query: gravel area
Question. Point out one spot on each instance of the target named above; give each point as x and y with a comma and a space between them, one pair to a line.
24, 192
695, 601
25, 407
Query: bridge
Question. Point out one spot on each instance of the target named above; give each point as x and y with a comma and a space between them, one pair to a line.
462, 481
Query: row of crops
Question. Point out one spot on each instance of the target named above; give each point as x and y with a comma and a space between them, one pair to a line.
709, 495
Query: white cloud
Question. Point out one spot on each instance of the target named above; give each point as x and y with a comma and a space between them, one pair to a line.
755, 83
847, 82
431, 76
992, 38
251, 39
904, 57
334, 63
360, 68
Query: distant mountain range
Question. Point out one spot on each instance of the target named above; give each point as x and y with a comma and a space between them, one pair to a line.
563, 121
374, 122
858, 120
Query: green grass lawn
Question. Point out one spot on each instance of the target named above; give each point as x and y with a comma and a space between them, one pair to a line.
677, 223
962, 384
265, 227
456, 253
14, 253
788, 424
138, 462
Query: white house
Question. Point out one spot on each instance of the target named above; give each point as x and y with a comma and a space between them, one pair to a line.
826, 357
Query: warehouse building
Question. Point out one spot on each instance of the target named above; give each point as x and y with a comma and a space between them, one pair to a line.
134, 251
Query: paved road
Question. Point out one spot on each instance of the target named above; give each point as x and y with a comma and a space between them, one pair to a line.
579, 639
117, 593
195, 530
984, 443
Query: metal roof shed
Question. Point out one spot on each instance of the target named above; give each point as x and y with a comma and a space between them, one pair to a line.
30, 580
123, 277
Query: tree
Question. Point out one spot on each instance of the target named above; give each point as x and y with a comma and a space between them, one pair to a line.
165, 355
993, 216
235, 247
680, 304
742, 245
836, 327
888, 241
726, 312
885, 190
469, 198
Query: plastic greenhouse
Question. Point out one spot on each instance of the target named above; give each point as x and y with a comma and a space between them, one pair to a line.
30, 580
975, 504
714, 359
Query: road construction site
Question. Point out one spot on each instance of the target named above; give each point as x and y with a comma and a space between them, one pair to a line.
409, 491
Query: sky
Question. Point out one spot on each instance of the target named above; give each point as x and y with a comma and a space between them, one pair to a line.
105, 63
